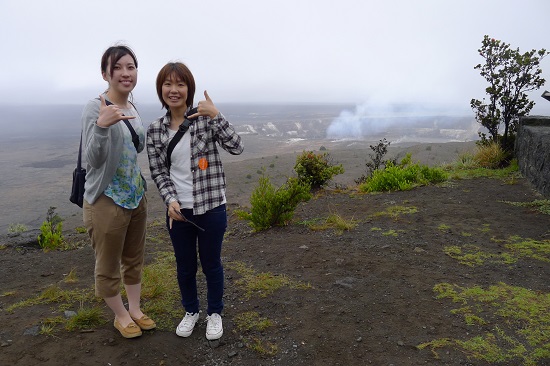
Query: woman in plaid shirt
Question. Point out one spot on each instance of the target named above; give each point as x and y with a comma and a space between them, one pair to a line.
191, 182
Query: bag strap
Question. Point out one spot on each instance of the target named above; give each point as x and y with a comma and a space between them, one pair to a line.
177, 137
79, 161
135, 137
179, 134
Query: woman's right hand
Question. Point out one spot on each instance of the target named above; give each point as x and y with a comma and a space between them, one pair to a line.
109, 114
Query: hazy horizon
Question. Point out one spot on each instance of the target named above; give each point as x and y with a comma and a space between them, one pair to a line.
39, 145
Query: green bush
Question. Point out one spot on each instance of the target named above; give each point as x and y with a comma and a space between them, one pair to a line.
402, 177
51, 236
316, 169
274, 206
433, 175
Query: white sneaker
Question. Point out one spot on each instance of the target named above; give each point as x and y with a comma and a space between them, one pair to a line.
214, 328
187, 324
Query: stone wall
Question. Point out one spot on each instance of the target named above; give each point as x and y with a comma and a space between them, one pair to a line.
533, 151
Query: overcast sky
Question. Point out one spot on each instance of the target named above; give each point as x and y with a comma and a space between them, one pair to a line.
351, 51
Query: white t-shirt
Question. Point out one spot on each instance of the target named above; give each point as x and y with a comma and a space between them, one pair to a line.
180, 169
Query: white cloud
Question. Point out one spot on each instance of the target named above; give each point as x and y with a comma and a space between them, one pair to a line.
283, 51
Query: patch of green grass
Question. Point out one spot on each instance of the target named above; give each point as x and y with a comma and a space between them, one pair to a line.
485, 228
17, 228
160, 292
264, 283
515, 249
390, 232
54, 294
263, 348
71, 277
520, 323
160, 297
251, 320
154, 235
484, 348
310, 222
529, 248
469, 317
86, 318
336, 222
443, 227
47, 330
49, 325
542, 206
156, 223
81, 230
435, 345
471, 173
470, 165
395, 211
469, 255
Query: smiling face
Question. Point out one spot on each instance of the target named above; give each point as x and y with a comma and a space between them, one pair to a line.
177, 76
174, 92
123, 77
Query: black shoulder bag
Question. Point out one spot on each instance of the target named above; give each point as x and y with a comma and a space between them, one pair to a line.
179, 134
79, 178
79, 173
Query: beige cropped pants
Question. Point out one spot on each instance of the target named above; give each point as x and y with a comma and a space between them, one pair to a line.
118, 239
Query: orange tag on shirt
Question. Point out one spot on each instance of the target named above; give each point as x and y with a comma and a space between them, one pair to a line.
203, 163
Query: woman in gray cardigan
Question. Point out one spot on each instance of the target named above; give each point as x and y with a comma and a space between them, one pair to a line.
115, 206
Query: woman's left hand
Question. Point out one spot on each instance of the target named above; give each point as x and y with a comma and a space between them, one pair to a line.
206, 108
174, 212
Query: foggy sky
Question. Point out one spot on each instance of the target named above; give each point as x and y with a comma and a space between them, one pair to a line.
318, 51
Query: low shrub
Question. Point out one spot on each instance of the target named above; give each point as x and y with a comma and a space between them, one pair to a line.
274, 206
316, 169
51, 236
491, 156
402, 177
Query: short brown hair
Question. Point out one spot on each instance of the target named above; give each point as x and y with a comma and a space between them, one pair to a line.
180, 71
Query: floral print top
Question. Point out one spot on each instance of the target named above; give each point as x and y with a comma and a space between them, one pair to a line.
126, 188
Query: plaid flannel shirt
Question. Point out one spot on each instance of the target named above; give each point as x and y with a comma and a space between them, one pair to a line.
209, 183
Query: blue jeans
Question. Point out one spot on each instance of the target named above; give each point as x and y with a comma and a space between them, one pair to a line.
185, 237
